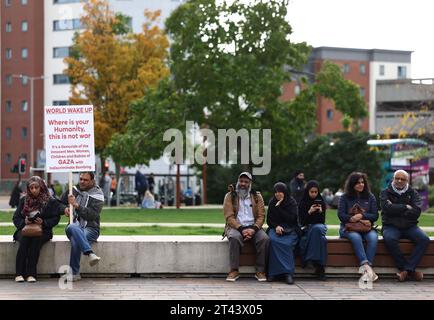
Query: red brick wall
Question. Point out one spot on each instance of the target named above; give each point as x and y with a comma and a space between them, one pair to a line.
33, 66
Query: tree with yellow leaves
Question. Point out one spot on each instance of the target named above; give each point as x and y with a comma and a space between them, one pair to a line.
110, 66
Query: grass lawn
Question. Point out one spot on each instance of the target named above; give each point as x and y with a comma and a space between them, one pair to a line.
174, 216
191, 216
154, 230
136, 231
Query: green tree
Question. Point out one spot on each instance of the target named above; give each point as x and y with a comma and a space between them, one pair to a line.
330, 159
229, 61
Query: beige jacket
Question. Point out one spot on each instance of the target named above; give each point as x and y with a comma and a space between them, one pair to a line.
230, 210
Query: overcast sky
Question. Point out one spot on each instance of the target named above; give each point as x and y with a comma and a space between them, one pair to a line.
369, 24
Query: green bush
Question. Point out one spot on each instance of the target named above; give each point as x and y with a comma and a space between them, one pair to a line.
431, 196
58, 189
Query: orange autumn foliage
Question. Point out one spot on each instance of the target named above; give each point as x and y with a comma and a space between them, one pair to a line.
110, 70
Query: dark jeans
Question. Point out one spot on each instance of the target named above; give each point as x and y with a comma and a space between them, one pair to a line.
28, 254
392, 235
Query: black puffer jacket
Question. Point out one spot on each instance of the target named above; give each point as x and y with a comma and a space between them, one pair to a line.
50, 215
394, 208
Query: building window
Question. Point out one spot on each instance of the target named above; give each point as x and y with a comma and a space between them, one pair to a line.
24, 80
362, 68
24, 53
8, 54
61, 52
23, 133
24, 106
402, 72
330, 114
60, 79
8, 106
24, 2
24, 26
68, 24
8, 158
346, 68
382, 70
8, 3
8, 27
362, 92
60, 103
9, 79
8, 133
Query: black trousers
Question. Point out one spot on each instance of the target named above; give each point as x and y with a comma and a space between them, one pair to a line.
28, 254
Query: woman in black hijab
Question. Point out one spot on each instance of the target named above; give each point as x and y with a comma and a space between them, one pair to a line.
283, 228
313, 243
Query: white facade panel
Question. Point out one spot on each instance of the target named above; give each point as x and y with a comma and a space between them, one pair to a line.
390, 72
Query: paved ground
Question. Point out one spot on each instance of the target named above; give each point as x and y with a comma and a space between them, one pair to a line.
216, 289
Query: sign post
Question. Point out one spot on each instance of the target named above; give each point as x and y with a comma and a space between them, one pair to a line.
69, 140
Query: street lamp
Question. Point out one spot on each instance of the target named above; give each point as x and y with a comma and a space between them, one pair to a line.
32, 138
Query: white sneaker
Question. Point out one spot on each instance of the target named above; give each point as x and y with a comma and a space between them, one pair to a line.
372, 276
19, 279
93, 259
31, 279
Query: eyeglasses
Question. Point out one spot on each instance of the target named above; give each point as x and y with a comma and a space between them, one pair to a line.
400, 179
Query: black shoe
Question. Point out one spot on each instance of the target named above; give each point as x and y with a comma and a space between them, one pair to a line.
289, 279
320, 272
271, 278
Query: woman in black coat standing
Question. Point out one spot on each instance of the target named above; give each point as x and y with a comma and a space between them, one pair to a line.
37, 207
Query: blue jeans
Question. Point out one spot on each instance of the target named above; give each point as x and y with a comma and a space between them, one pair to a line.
80, 239
371, 238
392, 235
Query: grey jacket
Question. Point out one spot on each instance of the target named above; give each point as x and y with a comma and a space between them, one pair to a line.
90, 206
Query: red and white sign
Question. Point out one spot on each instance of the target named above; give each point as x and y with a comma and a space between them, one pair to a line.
69, 138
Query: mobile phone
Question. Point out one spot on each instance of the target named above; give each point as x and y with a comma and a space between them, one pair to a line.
318, 202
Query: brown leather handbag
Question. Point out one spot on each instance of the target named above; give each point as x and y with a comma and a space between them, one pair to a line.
32, 230
357, 227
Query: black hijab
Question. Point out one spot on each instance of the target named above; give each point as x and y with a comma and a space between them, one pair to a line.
285, 214
306, 202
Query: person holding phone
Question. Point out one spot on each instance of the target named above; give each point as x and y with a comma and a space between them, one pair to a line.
38, 207
313, 243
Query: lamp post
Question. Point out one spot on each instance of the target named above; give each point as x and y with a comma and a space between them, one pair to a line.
32, 112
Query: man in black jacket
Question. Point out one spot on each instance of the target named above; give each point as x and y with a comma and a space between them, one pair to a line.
401, 208
296, 186
87, 200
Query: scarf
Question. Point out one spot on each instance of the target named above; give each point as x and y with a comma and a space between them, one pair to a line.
32, 203
398, 191
82, 199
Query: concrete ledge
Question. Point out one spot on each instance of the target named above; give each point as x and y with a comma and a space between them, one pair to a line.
150, 255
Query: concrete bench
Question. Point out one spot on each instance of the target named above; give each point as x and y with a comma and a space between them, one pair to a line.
184, 256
